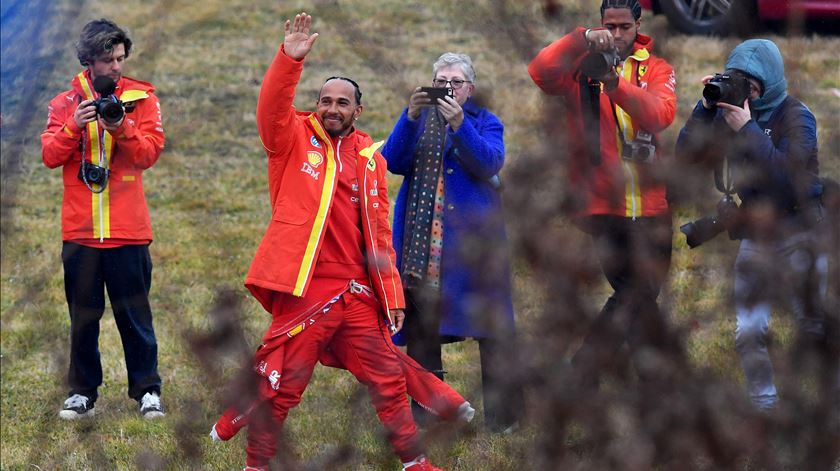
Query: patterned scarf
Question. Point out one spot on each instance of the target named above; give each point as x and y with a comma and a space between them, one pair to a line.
420, 206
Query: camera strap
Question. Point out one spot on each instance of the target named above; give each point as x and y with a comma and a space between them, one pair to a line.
615, 108
723, 177
590, 97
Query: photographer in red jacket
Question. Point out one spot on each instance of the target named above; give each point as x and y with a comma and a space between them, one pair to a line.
619, 97
104, 132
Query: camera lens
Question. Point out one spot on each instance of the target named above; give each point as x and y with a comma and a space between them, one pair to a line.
94, 174
111, 112
712, 92
596, 64
701, 230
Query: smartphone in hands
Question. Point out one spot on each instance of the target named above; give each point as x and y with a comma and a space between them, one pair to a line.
437, 92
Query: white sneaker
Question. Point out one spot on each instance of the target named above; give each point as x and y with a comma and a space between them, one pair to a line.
76, 407
466, 412
150, 407
214, 435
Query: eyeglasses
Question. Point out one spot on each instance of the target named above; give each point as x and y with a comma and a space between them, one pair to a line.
455, 83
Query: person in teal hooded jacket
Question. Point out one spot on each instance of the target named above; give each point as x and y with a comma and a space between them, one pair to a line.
770, 145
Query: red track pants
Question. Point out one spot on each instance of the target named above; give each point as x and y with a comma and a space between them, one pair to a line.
358, 339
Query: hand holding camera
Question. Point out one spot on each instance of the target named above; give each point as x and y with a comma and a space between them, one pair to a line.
441, 97
451, 111
426, 96
736, 116
600, 39
108, 108
602, 59
730, 87
729, 91
84, 113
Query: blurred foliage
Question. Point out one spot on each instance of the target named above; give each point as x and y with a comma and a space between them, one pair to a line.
209, 205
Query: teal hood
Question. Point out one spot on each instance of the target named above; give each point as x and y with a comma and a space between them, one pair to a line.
760, 58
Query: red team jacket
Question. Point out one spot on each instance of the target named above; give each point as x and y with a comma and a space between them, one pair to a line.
302, 179
644, 99
119, 212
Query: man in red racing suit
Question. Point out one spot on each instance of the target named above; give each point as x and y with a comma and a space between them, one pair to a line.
325, 267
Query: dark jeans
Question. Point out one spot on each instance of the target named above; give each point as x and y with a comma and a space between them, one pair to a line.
503, 399
635, 256
127, 274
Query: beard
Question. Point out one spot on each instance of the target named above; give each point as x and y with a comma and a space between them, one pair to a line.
336, 129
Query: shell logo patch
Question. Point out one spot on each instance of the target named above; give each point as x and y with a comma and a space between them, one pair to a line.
314, 142
642, 70
314, 158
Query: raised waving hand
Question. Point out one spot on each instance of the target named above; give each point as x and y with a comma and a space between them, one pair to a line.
298, 41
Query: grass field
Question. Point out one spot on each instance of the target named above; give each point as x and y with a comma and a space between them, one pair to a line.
209, 208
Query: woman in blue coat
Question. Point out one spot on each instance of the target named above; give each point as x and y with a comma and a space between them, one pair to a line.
449, 233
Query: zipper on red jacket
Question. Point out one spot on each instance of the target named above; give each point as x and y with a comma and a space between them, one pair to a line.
101, 159
338, 154
366, 214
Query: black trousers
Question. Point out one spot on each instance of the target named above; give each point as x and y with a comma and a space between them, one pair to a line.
635, 256
127, 274
503, 399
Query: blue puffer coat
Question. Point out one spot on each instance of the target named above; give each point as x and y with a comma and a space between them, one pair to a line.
475, 265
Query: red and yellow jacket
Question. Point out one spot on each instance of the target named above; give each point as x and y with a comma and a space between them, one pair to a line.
119, 213
644, 99
302, 179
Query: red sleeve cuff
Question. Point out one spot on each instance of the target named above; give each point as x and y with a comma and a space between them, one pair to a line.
125, 131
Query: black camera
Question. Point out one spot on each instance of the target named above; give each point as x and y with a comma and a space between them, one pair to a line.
108, 106
640, 149
93, 174
707, 228
730, 87
596, 64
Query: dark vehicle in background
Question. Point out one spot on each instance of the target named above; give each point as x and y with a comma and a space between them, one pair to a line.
738, 16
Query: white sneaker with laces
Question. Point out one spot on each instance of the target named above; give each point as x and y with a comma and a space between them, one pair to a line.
150, 406
76, 407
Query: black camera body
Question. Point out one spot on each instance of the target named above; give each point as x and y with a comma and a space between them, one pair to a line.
93, 174
707, 228
729, 87
596, 64
640, 149
108, 106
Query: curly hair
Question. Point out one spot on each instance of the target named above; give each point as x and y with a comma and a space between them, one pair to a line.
98, 37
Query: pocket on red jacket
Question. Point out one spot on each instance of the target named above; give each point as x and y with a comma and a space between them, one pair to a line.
291, 212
